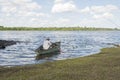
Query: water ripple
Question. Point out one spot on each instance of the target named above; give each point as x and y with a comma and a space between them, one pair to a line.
73, 44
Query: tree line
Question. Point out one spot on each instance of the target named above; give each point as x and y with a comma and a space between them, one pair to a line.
56, 28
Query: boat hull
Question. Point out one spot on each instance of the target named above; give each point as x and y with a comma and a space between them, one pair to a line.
48, 53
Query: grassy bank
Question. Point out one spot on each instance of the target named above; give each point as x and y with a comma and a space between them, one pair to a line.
103, 66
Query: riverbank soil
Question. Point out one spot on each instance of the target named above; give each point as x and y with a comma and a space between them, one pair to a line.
102, 66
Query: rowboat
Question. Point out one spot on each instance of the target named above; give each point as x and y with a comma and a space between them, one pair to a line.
53, 50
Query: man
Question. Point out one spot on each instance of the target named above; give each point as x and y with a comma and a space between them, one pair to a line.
46, 44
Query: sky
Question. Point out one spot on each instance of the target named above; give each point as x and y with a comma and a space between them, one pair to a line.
60, 13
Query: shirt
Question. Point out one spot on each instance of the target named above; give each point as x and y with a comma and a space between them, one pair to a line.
46, 44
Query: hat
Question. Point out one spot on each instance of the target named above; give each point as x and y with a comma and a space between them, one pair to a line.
48, 39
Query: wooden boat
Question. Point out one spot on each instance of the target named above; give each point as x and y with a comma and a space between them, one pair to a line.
41, 53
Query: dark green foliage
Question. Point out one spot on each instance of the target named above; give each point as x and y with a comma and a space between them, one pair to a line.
1, 26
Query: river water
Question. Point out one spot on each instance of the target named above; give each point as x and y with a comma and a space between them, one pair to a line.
73, 44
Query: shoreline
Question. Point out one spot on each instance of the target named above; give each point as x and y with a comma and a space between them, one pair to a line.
75, 28
101, 66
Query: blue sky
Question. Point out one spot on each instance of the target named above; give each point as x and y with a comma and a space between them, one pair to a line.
60, 13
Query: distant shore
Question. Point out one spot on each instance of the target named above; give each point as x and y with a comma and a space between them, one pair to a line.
55, 29
102, 66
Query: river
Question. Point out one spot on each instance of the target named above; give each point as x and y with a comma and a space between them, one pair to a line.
73, 44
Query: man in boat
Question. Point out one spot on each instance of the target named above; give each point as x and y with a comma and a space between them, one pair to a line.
47, 44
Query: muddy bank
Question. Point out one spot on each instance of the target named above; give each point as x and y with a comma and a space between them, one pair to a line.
5, 43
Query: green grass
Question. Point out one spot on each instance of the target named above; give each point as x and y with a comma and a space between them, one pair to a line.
102, 66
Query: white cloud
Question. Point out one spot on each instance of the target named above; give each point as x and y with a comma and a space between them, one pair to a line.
8, 9
19, 6
21, 13
100, 11
99, 15
22, 10
63, 20
60, 22
61, 6
85, 10
1, 20
58, 1
104, 15
21, 1
31, 13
